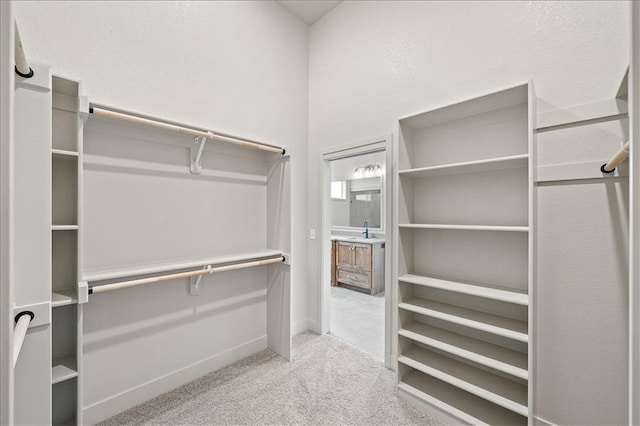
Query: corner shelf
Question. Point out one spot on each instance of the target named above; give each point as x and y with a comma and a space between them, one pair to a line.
63, 298
498, 163
499, 390
472, 289
500, 326
493, 356
63, 369
464, 227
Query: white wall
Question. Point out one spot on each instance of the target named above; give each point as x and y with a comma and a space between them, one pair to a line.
236, 67
373, 62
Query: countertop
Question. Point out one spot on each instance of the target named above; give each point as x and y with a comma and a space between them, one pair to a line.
359, 240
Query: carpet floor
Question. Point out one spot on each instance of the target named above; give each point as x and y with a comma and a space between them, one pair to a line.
328, 382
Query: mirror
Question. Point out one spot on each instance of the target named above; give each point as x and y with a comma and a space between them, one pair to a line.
356, 191
359, 201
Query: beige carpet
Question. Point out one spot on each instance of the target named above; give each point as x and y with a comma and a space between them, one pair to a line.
328, 382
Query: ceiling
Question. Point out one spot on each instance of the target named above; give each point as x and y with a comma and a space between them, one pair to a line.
309, 11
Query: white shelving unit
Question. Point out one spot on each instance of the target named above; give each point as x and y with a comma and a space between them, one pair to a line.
66, 162
464, 244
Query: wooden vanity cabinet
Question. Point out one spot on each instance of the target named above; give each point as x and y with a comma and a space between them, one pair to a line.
360, 265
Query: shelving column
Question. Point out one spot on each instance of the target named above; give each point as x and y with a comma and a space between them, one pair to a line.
66, 164
464, 274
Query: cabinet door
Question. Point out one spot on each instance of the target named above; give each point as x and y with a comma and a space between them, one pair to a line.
344, 256
362, 256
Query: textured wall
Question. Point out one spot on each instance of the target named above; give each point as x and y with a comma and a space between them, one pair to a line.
373, 62
235, 67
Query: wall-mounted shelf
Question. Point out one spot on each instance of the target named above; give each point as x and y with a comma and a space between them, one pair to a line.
64, 152
108, 274
459, 403
479, 290
63, 369
464, 227
64, 298
489, 164
499, 390
493, 356
500, 326
64, 227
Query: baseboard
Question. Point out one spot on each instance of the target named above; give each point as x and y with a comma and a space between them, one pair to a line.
129, 398
542, 422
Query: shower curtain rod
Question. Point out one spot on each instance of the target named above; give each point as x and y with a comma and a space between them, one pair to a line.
96, 110
208, 270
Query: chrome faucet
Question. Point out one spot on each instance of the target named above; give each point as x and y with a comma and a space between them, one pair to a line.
366, 229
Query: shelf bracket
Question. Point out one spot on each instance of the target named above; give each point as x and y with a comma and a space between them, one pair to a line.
196, 153
195, 282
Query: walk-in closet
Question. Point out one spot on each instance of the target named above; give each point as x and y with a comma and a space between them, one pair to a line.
319, 212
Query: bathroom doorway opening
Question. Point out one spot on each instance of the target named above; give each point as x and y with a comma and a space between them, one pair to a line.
356, 232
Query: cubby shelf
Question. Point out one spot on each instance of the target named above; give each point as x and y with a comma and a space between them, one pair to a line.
464, 227
472, 289
499, 390
484, 353
63, 368
63, 298
64, 152
500, 326
463, 405
489, 164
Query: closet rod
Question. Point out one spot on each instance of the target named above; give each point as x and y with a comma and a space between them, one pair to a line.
22, 65
189, 274
620, 156
20, 331
180, 129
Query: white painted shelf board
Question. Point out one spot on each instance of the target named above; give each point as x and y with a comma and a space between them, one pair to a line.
500, 326
107, 274
484, 353
63, 298
64, 227
493, 388
458, 403
64, 152
472, 289
515, 95
511, 162
63, 368
464, 227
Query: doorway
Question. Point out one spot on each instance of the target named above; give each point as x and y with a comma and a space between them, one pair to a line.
356, 254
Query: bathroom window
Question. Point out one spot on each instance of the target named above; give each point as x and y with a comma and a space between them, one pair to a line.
339, 190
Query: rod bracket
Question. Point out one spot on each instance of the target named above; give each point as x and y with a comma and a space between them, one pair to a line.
196, 153
194, 282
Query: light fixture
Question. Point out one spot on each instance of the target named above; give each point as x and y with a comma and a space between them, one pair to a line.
368, 171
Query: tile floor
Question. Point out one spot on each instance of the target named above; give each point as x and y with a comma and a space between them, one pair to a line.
358, 319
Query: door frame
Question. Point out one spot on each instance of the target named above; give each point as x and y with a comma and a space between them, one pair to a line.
376, 144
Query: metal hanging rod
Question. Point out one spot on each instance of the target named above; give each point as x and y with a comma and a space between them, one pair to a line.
180, 129
22, 65
207, 270
620, 156
20, 331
